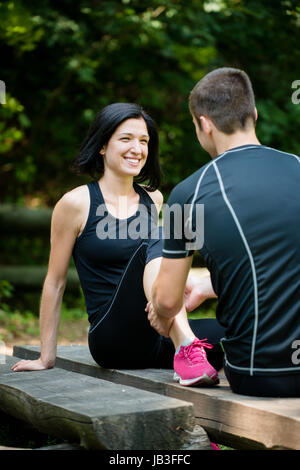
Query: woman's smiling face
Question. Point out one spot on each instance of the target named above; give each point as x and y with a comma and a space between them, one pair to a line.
127, 150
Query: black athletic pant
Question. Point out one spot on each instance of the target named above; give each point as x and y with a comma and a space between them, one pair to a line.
264, 386
120, 334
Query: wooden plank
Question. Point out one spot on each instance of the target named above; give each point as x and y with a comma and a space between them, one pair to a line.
13, 448
96, 413
32, 277
231, 419
64, 446
24, 220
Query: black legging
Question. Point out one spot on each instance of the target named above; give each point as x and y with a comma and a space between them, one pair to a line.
120, 334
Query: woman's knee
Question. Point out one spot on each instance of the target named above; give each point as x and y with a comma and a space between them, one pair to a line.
150, 274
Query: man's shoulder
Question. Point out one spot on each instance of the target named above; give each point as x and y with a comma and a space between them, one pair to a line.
265, 148
261, 149
186, 188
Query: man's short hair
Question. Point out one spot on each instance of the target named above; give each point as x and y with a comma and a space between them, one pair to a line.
225, 95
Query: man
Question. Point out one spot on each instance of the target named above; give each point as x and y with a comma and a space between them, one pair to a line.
251, 247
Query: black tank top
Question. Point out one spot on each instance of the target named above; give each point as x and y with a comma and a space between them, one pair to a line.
104, 247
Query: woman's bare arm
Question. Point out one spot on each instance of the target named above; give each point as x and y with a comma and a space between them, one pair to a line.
65, 226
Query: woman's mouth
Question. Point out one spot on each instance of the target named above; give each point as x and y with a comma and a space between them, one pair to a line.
132, 161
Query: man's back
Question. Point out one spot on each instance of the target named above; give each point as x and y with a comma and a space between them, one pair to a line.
252, 249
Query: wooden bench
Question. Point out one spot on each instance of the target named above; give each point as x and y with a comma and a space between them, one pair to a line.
96, 413
238, 421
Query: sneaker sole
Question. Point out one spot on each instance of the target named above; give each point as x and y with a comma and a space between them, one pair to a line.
204, 380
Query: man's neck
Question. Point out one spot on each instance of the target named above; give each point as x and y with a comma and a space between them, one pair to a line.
226, 142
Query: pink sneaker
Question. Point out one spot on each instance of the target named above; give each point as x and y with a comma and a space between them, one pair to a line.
192, 367
214, 446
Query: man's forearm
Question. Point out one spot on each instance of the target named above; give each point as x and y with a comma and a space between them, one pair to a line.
165, 305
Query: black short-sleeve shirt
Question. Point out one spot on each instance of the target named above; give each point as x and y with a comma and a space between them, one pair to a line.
247, 230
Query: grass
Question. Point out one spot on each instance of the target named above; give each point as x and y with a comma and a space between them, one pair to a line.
16, 326
207, 310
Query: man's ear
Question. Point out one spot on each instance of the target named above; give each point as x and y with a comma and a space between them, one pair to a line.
255, 113
206, 124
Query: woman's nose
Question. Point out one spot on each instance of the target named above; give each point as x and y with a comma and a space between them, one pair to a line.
136, 147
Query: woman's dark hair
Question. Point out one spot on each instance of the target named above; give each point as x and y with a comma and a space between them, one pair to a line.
89, 161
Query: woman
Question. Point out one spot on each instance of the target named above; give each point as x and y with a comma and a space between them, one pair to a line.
110, 228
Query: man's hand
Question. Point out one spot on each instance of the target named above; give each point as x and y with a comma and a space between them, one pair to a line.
161, 324
197, 291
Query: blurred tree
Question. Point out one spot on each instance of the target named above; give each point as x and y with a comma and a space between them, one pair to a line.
263, 39
63, 60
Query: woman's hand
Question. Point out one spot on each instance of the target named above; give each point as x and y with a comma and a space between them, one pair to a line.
161, 324
36, 364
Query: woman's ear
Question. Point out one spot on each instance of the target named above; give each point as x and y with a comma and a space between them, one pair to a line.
102, 151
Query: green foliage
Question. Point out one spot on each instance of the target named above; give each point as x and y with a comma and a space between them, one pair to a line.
6, 290
63, 61
34, 250
12, 117
18, 28
14, 323
17, 324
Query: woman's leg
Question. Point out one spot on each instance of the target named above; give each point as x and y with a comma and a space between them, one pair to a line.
191, 365
180, 330
120, 335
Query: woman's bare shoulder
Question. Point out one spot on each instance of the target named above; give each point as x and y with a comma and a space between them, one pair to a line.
70, 211
74, 200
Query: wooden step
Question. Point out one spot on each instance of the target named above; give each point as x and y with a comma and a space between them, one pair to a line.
96, 413
237, 421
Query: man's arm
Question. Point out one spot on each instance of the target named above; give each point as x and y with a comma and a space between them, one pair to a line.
169, 287
172, 288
